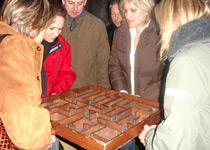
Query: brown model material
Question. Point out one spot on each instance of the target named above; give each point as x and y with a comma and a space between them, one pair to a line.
96, 118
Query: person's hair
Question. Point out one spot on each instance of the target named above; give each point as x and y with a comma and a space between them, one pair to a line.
109, 6
56, 10
29, 17
145, 5
113, 2
186, 10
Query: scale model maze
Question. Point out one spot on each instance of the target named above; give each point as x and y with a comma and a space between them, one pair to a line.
97, 118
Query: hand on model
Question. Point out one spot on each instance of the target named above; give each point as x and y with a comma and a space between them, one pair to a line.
52, 141
142, 135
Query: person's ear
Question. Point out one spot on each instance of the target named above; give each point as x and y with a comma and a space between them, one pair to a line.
85, 2
177, 20
63, 2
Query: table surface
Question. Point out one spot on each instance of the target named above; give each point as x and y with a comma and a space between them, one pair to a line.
96, 118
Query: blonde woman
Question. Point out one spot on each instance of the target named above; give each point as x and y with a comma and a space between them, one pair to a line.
185, 26
134, 66
22, 25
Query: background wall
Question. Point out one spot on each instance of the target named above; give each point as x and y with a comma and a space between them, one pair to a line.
1, 2
96, 7
99, 8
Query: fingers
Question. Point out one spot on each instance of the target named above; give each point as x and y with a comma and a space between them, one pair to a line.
153, 126
141, 137
53, 140
144, 132
146, 127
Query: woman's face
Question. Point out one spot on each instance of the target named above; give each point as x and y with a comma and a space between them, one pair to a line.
116, 15
136, 17
54, 29
74, 7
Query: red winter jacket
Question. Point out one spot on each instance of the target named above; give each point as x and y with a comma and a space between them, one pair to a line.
57, 65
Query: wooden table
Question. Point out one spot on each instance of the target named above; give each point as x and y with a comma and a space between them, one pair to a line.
96, 118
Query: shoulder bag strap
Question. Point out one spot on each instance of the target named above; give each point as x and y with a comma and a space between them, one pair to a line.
2, 36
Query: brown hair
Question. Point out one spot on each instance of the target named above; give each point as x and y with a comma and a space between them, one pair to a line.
56, 9
29, 17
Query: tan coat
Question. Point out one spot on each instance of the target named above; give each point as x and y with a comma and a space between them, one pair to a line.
27, 125
90, 50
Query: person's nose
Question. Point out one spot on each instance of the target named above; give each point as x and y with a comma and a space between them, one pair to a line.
115, 17
127, 15
118, 17
56, 33
75, 7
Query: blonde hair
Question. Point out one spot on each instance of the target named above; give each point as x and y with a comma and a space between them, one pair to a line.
29, 17
145, 5
187, 10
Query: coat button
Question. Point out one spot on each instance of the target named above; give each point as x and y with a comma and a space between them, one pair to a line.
37, 78
38, 49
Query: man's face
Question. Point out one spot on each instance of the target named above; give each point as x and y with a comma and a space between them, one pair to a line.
74, 7
116, 15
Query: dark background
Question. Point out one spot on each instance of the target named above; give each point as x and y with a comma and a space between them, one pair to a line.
96, 7
1, 2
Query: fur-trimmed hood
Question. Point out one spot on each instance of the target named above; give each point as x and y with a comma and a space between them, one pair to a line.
196, 31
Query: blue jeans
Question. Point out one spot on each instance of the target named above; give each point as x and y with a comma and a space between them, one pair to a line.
129, 146
55, 145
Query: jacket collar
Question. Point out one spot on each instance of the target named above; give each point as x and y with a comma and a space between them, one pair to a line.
193, 32
133, 30
74, 21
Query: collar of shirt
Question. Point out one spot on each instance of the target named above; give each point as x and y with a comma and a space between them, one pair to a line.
74, 24
132, 56
133, 30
